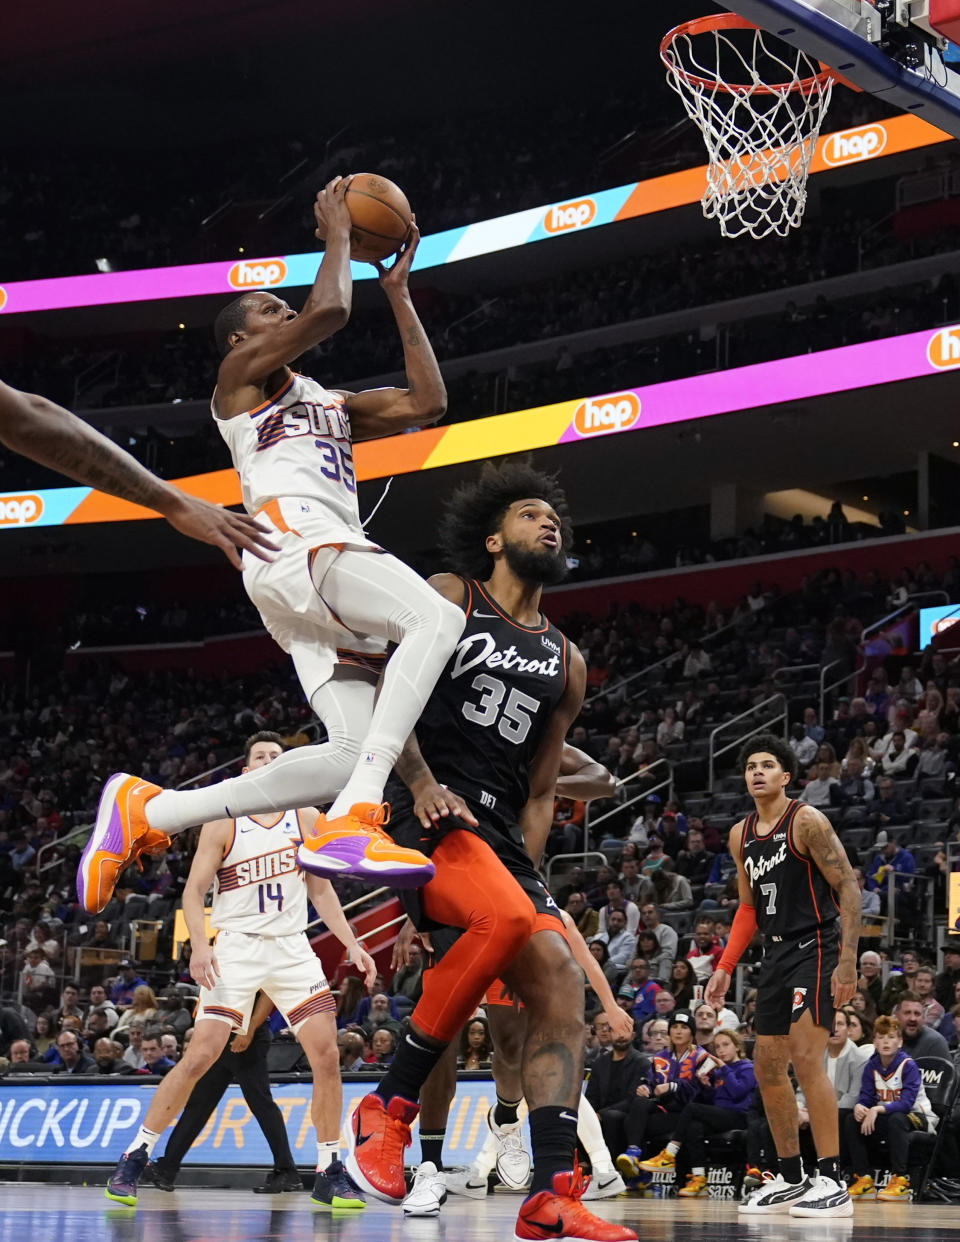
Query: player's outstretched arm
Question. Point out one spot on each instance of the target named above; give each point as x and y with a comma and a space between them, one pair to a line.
262, 1009
815, 834
212, 846
620, 1022
327, 904
584, 778
537, 815
47, 433
385, 411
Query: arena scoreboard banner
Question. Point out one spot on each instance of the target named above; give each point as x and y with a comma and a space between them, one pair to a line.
591, 210
911, 356
80, 1123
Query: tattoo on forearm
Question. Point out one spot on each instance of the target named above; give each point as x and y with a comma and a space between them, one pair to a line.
414, 336
99, 463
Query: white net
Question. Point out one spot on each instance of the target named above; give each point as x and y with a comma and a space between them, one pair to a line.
760, 104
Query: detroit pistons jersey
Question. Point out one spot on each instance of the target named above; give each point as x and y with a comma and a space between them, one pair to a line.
296, 444
258, 887
488, 712
790, 895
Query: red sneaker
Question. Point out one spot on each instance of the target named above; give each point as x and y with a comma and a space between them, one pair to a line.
560, 1214
376, 1139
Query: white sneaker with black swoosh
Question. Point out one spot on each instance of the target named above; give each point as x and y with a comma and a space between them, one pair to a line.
428, 1192
824, 1198
605, 1183
774, 1196
466, 1181
514, 1165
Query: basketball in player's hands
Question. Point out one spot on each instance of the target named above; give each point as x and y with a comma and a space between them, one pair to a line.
381, 217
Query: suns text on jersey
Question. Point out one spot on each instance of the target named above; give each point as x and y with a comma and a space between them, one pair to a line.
266, 867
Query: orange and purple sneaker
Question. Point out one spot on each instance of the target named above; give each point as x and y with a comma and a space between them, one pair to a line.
356, 844
120, 835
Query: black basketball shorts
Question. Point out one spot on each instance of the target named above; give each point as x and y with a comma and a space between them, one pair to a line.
795, 976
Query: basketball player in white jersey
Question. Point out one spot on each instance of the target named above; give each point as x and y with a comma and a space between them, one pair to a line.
327, 589
260, 913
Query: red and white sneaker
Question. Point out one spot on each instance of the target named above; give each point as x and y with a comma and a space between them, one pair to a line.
560, 1214
377, 1137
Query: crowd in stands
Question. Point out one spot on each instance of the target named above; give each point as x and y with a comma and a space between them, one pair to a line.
180, 365
882, 765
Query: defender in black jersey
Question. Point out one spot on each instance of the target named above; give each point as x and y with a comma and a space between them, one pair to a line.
482, 728
796, 885
481, 771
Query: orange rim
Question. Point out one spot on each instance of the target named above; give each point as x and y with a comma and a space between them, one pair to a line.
730, 21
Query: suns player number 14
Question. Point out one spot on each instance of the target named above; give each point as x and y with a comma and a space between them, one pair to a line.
512, 718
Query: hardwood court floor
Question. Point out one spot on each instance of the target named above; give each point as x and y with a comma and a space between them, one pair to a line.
52, 1213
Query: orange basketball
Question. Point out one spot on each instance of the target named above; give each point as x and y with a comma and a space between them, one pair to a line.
381, 217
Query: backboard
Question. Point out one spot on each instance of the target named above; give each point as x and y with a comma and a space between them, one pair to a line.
872, 47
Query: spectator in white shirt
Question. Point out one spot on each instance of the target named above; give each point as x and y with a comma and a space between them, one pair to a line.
696, 663
898, 759
665, 934
803, 746
621, 946
670, 729
817, 792
133, 1056
617, 901
910, 737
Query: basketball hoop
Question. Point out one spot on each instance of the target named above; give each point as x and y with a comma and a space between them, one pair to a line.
760, 104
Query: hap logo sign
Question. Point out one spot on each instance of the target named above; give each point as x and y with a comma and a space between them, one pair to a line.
943, 349
850, 146
20, 510
260, 274
599, 416
562, 217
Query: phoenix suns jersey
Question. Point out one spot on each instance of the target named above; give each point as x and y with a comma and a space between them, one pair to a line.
258, 887
791, 897
489, 710
297, 444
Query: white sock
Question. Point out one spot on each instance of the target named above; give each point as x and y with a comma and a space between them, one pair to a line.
485, 1160
591, 1135
144, 1138
307, 776
377, 594
326, 1152
672, 1148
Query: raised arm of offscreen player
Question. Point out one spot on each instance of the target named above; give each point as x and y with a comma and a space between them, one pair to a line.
52, 436
536, 818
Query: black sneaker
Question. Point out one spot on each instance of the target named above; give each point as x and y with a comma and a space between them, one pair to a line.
122, 1186
155, 1175
277, 1183
334, 1189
